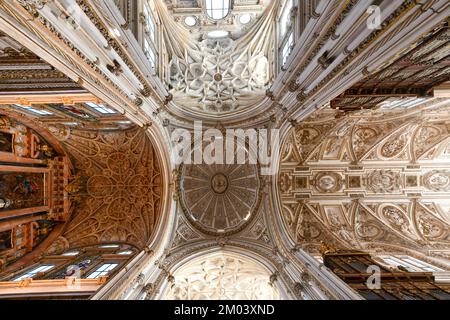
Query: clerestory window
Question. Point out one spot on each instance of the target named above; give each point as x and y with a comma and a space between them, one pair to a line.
33, 272
217, 9
103, 270
39, 112
411, 264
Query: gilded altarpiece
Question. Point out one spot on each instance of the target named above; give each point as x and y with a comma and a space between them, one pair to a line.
32, 197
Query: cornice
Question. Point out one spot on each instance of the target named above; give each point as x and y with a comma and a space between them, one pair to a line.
46, 37
95, 18
395, 24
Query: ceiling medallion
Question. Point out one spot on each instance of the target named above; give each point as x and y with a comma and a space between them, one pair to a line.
218, 77
219, 183
219, 200
328, 182
437, 180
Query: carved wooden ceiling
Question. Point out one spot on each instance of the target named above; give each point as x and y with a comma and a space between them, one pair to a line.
23, 72
115, 185
369, 182
120, 195
414, 74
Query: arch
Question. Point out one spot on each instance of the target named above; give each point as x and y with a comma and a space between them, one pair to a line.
224, 275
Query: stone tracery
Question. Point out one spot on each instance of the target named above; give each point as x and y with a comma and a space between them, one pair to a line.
124, 188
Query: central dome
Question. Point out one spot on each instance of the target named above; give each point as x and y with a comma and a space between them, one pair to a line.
219, 199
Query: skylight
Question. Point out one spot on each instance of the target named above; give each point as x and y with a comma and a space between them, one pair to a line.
190, 21
217, 9
217, 34
100, 108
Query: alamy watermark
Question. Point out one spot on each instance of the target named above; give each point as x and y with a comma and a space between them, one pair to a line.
231, 146
374, 20
374, 280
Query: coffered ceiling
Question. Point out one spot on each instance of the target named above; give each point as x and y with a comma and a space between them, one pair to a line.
413, 74
23, 72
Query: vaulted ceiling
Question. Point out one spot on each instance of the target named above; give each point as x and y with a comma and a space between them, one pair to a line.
372, 182
112, 184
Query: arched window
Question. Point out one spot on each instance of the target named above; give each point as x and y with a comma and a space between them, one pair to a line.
217, 9
286, 28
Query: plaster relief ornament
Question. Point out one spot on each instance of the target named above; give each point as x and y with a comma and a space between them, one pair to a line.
328, 182
60, 132
374, 206
307, 138
302, 223
437, 180
394, 146
384, 181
